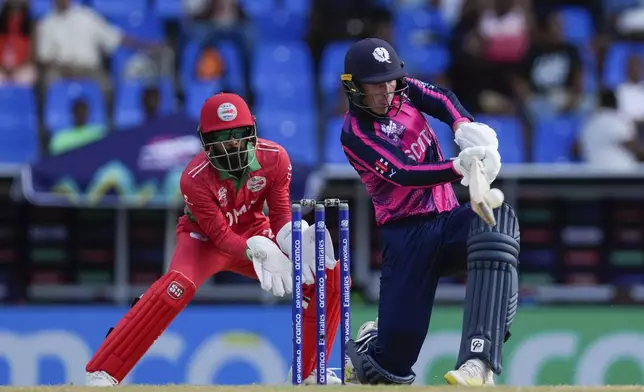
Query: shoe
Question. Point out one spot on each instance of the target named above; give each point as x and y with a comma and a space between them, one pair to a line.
366, 333
472, 373
331, 378
100, 379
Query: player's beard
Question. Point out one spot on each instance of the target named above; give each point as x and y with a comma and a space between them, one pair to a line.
230, 159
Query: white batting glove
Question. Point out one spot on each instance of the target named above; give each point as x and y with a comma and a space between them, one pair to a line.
309, 249
284, 240
488, 155
272, 267
473, 134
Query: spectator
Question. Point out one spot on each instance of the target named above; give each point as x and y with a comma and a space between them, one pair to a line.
630, 94
72, 39
505, 30
80, 134
551, 81
16, 63
150, 100
213, 21
487, 47
608, 139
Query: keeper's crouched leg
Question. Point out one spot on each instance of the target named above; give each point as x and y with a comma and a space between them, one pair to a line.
492, 288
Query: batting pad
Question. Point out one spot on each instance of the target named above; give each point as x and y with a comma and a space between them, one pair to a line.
491, 290
142, 325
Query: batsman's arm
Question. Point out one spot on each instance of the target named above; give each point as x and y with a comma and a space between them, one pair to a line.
201, 206
370, 152
279, 194
437, 102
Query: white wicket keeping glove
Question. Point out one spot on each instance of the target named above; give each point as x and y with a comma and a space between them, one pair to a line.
473, 134
272, 267
488, 155
309, 249
284, 240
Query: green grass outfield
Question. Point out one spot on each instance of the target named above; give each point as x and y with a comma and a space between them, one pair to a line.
258, 388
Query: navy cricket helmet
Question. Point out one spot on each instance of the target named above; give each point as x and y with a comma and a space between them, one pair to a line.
371, 61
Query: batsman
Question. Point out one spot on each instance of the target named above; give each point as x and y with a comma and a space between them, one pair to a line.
424, 233
224, 228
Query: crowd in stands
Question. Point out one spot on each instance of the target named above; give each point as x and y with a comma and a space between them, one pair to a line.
560, 80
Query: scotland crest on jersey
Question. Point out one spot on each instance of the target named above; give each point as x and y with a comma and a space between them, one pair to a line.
393, 131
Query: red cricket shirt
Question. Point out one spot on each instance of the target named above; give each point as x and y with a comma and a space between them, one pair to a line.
228, 210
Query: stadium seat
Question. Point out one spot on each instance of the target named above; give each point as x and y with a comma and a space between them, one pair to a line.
510, 135
196, 94
301, 7
168, 9
280, 25
276, 62
615, 63
332, 147
118, 8
60, 96
295, 131
287, 70
142, 25
419, 25
128, 108
257, 7
18, 125
233, 78
331, 67
553, 139
577, 24
427, 60
445, 137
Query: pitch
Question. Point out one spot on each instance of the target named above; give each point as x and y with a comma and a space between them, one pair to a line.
259, 388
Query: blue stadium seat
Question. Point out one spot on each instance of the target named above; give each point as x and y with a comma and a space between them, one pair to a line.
553, 139
302, 7
233, 78
415, 25
118, 8
426, 60
128, 108
445, 136
332, 147
274, 63
615, 63
287, 70
510, 135
295, 131
331, 67
60, 96
168, 9
577, 24
196, 94
18, 125
142, 25
257, 7
280, 25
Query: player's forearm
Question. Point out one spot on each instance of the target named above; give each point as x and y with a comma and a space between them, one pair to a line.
437, 102
425, 176
232, 244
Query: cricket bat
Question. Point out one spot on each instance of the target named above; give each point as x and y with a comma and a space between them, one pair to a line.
482, 198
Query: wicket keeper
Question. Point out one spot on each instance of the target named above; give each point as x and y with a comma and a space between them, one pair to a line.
224, 229
424, 233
